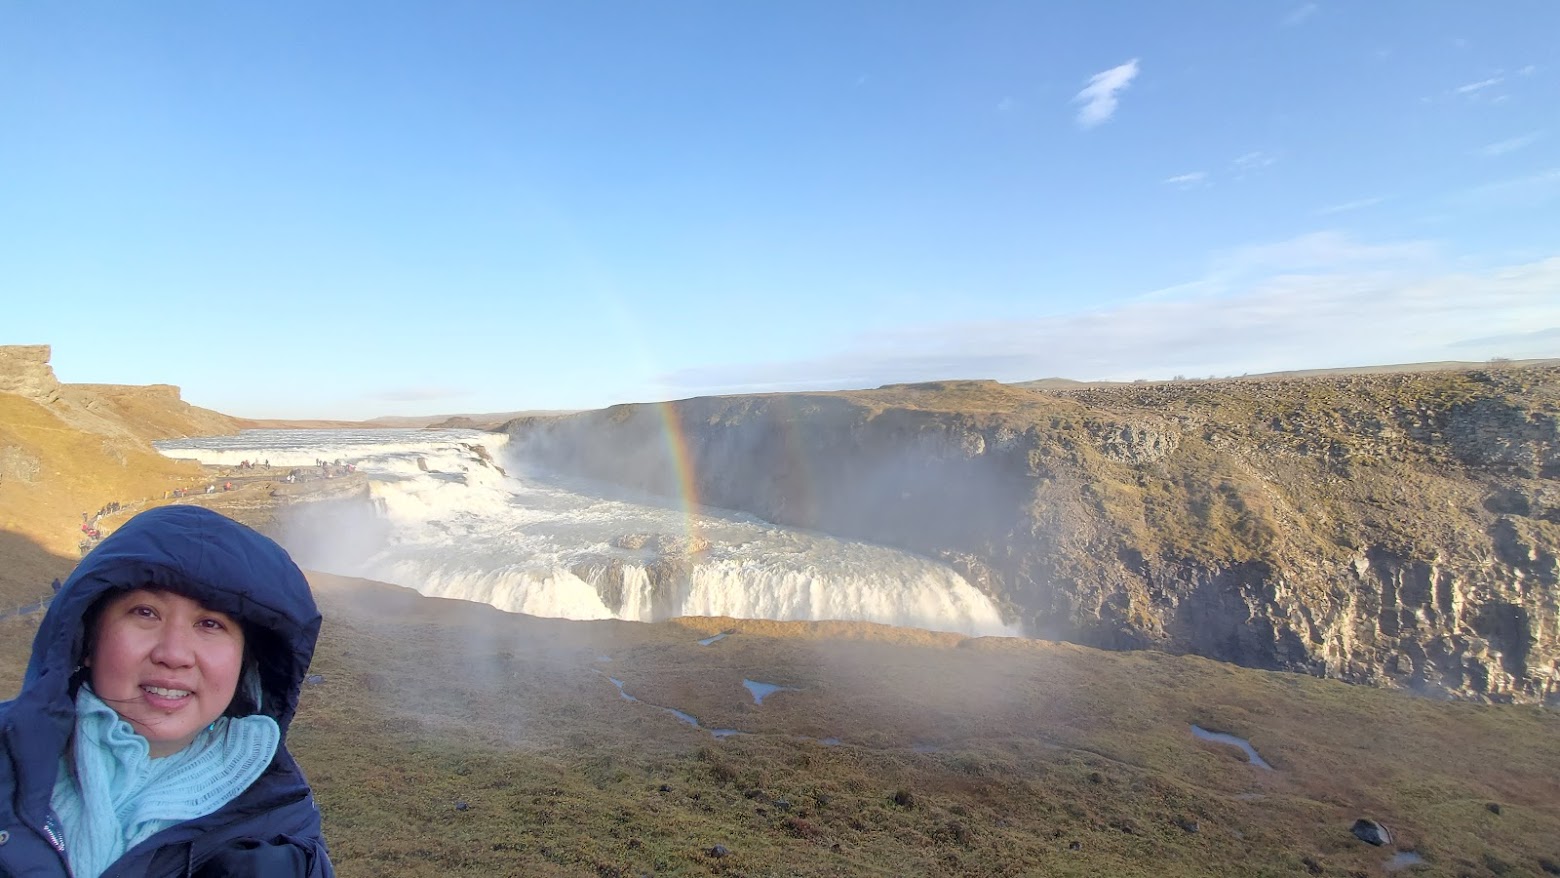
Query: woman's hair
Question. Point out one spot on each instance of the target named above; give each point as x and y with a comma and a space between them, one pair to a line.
248, 697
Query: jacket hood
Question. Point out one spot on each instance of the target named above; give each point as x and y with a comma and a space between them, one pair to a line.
202, 555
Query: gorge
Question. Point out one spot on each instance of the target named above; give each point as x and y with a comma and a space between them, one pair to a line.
1396, 529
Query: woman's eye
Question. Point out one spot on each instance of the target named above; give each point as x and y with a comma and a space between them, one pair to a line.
212, 624
144, 612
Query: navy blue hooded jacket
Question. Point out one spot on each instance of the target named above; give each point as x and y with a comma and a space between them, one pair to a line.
272, 828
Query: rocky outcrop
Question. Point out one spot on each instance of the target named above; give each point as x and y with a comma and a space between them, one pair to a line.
25, 371
133, 413
1400, 530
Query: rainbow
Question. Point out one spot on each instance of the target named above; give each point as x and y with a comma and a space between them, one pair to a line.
786, 466
682, 464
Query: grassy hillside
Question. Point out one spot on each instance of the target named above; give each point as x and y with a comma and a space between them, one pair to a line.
52, 471
68, 449
451, 739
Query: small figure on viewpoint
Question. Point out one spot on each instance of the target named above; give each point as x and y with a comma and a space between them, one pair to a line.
149, 737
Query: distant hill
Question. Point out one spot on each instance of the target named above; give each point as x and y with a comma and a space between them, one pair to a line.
480, 421
1443, 366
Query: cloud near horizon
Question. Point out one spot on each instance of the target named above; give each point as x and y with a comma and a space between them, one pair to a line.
1528, 191
1099, 96
1316, 301
417, 394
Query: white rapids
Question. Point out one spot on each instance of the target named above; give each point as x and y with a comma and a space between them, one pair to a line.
531, 542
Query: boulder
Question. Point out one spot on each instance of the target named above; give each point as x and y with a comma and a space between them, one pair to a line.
1371, 832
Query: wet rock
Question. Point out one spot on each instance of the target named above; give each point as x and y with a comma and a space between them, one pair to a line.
1493, 808
666, 788
904, 798
314, 679
1371, 832
1188, 824
461, 805
719, 851
1075, 845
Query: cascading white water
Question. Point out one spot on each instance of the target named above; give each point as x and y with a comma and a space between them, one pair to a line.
458, 527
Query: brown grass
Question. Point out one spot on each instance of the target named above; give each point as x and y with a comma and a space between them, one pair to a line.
68, 471
958, 756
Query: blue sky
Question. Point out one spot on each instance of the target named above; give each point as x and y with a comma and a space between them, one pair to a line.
354, 209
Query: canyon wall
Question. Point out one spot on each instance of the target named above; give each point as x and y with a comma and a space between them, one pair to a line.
1398, 529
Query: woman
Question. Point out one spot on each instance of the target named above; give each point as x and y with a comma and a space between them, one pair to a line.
149, 737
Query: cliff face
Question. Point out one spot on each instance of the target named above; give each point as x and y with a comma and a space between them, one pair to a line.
25, 372
1400, 529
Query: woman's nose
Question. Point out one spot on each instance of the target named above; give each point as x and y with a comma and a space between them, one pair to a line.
173, 648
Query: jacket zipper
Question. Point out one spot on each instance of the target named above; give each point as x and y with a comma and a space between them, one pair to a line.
52, 830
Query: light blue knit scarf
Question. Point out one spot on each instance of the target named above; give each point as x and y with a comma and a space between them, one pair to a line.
111, 795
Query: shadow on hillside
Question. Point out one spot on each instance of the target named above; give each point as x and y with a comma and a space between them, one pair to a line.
26, 569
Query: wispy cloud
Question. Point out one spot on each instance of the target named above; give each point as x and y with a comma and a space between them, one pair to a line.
1345, 207
1315, 301
418, 394
1099, 96
1528, 70
1300, 14
1529, 190
1481, 85
1502, 147
1251, 162
1189, 180
1312, 252
1540, 339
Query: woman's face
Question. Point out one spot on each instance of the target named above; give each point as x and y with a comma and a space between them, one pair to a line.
168, 665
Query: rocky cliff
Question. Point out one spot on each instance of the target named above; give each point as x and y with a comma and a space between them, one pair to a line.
1399, 529
25, 372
